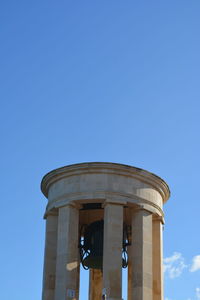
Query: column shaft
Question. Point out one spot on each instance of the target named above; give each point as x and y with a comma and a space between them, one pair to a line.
49, 271
157, 259
67, 265
141, 255
112, 252
96, 285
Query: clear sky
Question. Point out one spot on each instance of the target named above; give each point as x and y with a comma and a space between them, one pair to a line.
115, 81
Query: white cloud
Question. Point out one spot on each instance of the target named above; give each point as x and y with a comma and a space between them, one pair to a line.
195, 263
198, 293
174, 265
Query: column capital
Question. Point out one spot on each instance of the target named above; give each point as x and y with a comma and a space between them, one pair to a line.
157, 218
52, 212
114, 202
138, 208
72, 205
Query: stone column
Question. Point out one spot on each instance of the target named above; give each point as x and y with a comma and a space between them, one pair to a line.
141, 255
157, 258
67, 264
96, 285
112, 251
49, 271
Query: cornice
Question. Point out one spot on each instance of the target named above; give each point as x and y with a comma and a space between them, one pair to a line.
106, 168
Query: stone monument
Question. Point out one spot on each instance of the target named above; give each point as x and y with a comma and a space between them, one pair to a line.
104, 216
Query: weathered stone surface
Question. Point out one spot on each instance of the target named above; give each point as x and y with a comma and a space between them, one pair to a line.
49, 272
100, 181
142, 255
124, 194
96, 284
112, 252
67, 264
158, 293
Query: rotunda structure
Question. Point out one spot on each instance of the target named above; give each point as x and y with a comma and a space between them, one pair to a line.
105, 216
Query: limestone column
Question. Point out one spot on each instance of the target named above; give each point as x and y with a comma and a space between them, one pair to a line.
49, 271
141, 255
67, 264
112, 251
96, 285
157, 258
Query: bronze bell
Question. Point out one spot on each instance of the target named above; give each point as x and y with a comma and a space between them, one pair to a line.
91, 246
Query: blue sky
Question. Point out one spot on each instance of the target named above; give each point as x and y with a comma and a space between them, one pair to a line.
102, 80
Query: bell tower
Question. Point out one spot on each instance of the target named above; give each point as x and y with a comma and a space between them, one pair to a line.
105, 216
